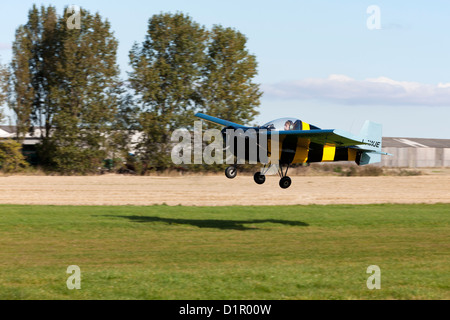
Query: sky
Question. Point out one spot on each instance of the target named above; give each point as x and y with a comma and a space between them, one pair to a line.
333, 64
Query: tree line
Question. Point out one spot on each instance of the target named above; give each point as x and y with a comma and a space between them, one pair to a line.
67, 82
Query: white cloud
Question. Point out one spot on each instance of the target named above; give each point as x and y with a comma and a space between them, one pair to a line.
5, 46
345, 90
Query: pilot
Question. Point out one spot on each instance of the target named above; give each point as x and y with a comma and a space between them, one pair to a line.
288, 125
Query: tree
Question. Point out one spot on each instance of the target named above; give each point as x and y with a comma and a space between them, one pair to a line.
121, 140
228, 91
4, 76
66, 80
22, 97
166, 77
181, 68
11, 157
33, 70
87, 96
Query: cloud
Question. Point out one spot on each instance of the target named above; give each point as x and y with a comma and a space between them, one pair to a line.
5, 46
345, 90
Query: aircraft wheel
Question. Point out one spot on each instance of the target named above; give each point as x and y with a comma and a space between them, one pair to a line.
259, 178
231, 172
285, 182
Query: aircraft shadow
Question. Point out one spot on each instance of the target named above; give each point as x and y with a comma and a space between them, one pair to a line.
215, 224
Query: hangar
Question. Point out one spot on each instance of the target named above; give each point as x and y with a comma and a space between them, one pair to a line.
416, 152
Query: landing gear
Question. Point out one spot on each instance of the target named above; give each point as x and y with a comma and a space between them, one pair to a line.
259, 178
231, 172
285, 181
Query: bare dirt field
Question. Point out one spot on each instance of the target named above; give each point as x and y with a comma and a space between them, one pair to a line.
220, 191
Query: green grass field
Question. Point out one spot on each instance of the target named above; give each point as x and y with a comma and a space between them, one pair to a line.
288, 252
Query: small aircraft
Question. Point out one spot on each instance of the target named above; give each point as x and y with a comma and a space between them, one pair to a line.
300, 142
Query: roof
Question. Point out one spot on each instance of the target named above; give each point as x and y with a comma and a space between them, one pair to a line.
415, 143
8, 129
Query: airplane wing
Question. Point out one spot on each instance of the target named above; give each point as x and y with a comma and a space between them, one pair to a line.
219, 121
331, 136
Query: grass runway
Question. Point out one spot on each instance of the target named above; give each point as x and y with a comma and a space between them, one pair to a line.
239, 252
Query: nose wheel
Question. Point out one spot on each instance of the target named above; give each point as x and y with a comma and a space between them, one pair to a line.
230, 172
259, 178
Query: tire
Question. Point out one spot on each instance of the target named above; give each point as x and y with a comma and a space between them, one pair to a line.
259, 178
285, 182
231, 172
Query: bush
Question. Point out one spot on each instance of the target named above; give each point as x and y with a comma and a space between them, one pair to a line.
372, 171
11, 157
404, 172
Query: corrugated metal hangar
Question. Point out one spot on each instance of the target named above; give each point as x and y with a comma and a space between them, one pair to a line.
416, 152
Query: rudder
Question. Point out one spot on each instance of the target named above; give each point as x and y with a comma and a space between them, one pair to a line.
370, 133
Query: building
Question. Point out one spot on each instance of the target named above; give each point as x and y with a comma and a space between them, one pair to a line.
29, 143
416, 152
7, 132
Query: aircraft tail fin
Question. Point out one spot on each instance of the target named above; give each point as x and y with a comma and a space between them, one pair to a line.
369, 153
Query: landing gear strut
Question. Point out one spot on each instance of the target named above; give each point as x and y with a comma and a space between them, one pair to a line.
260, 176
285, 181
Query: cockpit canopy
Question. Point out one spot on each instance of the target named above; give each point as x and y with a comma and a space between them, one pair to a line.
286, 124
